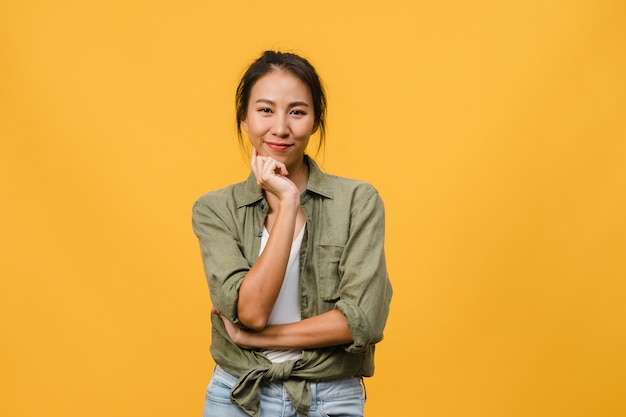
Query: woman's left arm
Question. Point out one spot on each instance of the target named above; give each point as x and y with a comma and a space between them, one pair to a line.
327, 329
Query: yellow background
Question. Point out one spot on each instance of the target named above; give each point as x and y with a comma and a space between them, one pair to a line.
494, 130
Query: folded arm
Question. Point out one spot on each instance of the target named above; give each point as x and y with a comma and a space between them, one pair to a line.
327, 329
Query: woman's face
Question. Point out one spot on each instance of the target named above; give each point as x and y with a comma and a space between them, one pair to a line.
280, 117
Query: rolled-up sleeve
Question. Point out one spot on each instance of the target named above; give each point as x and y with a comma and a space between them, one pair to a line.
225, 266
365, 290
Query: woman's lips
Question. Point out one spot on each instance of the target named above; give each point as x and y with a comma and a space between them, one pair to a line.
277, 146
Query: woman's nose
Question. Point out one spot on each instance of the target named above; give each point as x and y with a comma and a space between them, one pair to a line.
280, 128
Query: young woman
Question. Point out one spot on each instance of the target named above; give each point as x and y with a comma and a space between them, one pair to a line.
294, 260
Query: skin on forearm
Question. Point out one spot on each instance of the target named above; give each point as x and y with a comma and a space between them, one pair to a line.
261, 286
328, 329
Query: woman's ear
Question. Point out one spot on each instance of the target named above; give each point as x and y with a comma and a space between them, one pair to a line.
244, 124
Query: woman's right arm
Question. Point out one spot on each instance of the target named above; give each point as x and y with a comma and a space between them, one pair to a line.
261, 285
243, 294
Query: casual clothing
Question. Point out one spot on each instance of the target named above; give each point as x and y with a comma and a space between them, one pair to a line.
342, 266
287, 305
335, 398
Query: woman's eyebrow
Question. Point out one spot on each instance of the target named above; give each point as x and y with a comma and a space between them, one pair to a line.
299, 103
294, 104
265, 100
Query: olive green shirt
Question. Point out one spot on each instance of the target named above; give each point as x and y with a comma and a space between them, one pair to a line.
342, 266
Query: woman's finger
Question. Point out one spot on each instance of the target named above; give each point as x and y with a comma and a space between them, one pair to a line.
254, 156
273, 167
257, 162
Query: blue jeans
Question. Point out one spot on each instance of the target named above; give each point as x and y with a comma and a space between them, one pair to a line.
328, 399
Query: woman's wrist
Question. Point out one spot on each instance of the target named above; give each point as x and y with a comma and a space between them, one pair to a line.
289, 202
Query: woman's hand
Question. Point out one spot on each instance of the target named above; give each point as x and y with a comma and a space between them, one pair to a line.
271, 175
236, 334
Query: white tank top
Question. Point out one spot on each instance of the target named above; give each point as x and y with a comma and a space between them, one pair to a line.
287, 307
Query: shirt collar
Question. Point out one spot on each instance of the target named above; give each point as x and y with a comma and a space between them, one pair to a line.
317, 183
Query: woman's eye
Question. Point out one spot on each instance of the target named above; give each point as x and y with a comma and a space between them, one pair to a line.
265, 110
298, 112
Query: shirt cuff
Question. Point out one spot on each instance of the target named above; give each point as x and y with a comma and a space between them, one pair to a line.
358, 325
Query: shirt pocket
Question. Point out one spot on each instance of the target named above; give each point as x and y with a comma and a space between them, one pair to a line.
328, 271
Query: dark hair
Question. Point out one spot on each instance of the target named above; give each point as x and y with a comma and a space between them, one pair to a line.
296, 65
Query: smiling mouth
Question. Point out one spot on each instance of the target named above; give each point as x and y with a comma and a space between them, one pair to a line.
278, 146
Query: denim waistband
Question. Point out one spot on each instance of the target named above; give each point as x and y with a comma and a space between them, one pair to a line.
322, 390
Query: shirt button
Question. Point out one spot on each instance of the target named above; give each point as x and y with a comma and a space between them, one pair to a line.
259, 233
261, 206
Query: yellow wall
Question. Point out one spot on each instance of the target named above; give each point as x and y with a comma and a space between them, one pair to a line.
495, 132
